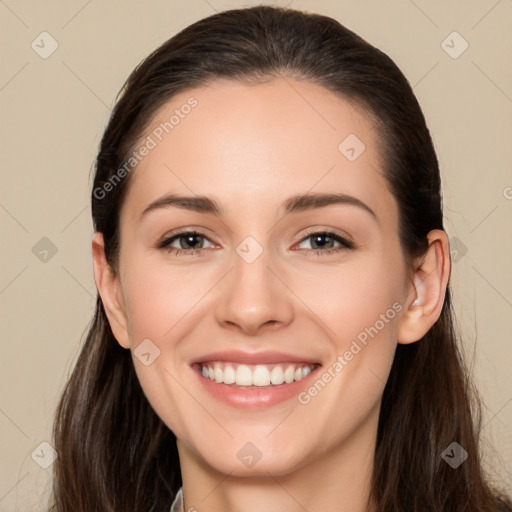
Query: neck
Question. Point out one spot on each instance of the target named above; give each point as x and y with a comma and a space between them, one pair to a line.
337, 481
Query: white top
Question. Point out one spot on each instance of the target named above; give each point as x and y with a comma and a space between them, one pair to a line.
177, 504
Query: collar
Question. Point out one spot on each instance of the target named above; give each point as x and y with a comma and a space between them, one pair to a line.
177, 504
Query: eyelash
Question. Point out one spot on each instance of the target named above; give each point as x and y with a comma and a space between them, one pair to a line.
345, 243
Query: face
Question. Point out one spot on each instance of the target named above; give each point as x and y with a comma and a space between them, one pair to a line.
281, 278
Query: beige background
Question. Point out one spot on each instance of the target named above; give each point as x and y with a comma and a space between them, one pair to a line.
53, 112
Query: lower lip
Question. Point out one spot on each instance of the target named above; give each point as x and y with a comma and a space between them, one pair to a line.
253, 397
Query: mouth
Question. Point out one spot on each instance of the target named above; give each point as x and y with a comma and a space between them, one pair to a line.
254, 381
260, 376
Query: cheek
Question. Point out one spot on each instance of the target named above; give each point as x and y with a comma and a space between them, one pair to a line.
157, 296
353, 296
158, 300
360, 312
342, 304
359, 305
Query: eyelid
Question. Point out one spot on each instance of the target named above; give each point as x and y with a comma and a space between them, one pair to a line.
182, 231
343, 237
340, 237
170, 237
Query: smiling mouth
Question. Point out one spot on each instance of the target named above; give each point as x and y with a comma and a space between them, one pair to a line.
254, 376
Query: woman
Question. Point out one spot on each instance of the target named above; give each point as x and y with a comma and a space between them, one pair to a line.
273, 328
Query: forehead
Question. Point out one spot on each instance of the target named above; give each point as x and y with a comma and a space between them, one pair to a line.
253, 144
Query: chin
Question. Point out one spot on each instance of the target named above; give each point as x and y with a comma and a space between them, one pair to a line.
249, 461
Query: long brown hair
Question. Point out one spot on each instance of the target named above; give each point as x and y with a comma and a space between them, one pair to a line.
115, 454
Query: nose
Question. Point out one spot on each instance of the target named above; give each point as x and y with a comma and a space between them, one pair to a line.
254, 297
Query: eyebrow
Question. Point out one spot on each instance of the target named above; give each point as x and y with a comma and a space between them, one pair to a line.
298, 203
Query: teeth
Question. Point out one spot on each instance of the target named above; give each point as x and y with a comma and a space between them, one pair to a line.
229, 375
259, 375
217, 372
289, 374
243, 376
277, 375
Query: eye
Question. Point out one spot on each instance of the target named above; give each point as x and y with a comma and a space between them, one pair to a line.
187, 241
323, 242
192, 242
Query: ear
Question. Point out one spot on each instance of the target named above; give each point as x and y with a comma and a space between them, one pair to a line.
427, 291
109, 288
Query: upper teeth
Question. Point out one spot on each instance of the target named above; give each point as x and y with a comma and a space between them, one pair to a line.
258, 375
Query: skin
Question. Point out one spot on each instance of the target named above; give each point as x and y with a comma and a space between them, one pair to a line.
250, 147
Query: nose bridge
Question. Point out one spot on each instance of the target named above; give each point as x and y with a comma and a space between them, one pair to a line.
252, 295
251, 261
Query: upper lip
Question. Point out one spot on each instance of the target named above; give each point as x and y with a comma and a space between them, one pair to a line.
267, 357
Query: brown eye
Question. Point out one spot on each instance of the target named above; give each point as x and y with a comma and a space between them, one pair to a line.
188, 241
325, 242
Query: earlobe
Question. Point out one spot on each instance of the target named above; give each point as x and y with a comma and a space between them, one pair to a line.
108, 285
425, 300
